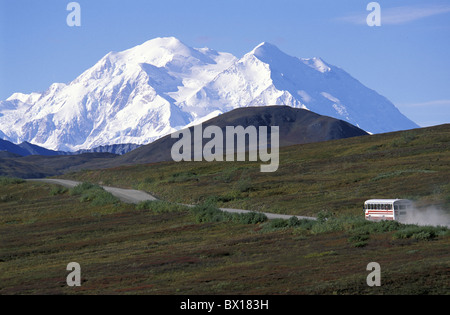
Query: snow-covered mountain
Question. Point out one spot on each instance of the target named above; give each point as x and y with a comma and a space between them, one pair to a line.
143, 93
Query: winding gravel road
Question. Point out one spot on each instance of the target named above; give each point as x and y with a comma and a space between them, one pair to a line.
136, 196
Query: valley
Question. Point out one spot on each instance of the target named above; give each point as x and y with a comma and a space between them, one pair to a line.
336, 176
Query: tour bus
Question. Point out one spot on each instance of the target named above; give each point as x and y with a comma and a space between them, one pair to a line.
387, 209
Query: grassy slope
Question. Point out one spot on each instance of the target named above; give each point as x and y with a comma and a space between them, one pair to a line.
336, 175
123, 250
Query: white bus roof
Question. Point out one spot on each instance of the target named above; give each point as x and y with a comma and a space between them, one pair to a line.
386, 200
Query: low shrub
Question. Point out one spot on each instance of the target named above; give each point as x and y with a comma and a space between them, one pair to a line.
420, 232
358, 238
330, 225
93, 193
324, 215
83, 187
208, 212
249, 218
103, 198
159, 206
361, 229
276, 224
58, 190
305, 224
10, 180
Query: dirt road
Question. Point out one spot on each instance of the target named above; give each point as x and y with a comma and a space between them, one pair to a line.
136, 196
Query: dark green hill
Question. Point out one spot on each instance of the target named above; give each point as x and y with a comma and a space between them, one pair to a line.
297, 126
38, 166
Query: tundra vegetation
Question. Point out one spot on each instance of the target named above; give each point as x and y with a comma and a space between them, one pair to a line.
335, 176
164, 247
161, 247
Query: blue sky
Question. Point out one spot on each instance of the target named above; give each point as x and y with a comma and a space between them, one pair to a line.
406, 59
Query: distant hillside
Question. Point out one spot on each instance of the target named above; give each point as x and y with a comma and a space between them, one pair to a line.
26, 148
297, 126
38, 166
119, 149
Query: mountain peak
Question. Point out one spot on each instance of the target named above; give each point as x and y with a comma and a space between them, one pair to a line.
143, 93
170, 42
265, 49
268, 52
158, 52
